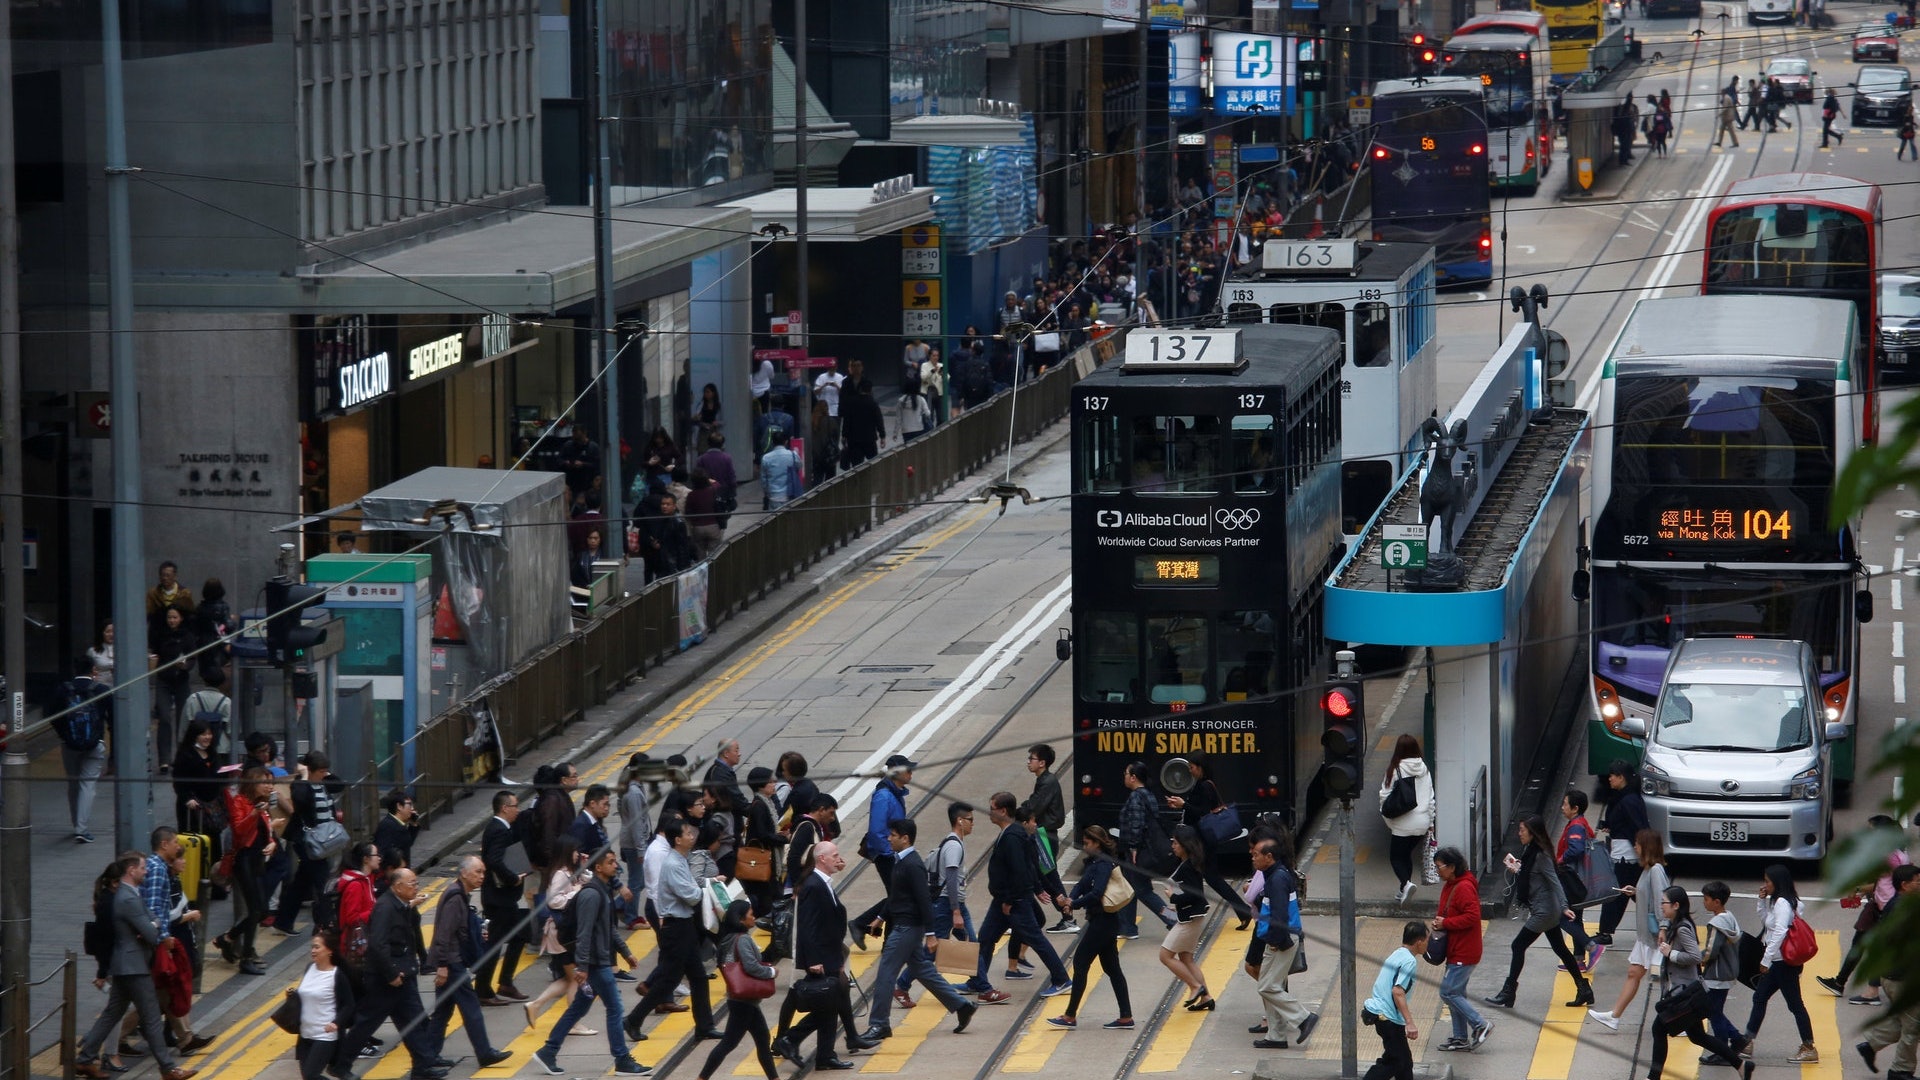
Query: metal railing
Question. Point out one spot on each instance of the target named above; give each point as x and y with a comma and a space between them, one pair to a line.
16, 1016
554, 687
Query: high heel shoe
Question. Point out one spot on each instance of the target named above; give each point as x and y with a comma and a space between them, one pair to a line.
1193, 997
1582, 994
1205, 1004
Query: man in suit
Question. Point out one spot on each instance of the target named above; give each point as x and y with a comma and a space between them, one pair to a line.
395, 953
129, 970
725, 770
458, 940
910, 937
500, 900
819, 949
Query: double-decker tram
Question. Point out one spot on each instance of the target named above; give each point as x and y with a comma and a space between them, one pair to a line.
1512, 66
1573, 27
1721, 424
1380, 299
1206, 473
1428, 160
1804, 234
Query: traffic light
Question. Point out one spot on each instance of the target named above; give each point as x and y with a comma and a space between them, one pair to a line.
1422, 57
288, 639
1343, 736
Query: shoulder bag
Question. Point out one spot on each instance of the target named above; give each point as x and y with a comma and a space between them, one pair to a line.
742, 986
1220, 825
1682, 1004
1799, 946
1401, 798
287, 1016
1118, 893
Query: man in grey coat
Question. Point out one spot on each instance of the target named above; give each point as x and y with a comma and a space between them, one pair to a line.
130, 973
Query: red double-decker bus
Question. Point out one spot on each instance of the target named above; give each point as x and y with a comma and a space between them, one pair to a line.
1804, 234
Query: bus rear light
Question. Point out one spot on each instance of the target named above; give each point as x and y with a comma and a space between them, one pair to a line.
1486, 242
1093, 790
1380, 153
1836, 700
1476, 150
1529, 150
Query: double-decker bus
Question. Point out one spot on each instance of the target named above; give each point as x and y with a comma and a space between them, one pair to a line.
1804, 234
1518, 102
1721, 424
1206, 487
1573, 27
1428, 160
1380, 299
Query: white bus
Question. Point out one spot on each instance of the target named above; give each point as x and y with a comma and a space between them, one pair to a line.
1513, 67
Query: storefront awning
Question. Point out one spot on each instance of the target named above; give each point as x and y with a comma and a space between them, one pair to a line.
540, 261
841, 213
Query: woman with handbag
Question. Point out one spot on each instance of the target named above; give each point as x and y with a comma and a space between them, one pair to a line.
1189, 900
1538, 890
1779, 904
324, 1006
1096, 894
1407, 805
1646, 892
1458, 922
1683, 1008
568, 878
1218, 823
749, 979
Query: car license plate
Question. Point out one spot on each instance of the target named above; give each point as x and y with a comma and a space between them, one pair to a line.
1728, 832
1897, 356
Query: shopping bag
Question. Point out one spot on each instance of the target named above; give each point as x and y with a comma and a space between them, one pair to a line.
956, 957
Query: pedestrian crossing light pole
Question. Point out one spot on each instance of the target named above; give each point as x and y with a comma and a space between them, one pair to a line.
1343, 720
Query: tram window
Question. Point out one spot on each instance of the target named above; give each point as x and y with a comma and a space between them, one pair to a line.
1103, 464
1243, 313
1176, 454
1176, 659
1245, 653
1372, 337
1364, 485
1327, 315
1253, 453
1108, 644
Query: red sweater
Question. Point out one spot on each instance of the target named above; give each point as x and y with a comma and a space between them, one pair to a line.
1460, 918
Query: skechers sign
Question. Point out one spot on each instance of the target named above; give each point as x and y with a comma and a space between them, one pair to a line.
439, 355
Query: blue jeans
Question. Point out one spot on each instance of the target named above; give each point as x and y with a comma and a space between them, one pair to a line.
1023, 922
1717, 1021
599, 982
905, 956
1453, 991
635, 879
1783, 978
942, 929
458, 993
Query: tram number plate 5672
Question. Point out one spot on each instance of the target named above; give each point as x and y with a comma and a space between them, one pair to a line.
1728, 832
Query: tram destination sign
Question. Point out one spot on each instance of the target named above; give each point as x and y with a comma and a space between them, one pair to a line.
1183, 350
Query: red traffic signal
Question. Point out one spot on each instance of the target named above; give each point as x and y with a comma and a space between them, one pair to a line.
1337, 702
1343, 722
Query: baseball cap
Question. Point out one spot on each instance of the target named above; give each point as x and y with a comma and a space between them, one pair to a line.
902, 761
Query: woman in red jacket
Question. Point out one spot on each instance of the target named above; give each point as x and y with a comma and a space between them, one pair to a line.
1459, 917
253, 844
355, 888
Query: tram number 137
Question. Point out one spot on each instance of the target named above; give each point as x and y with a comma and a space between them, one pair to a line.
1174, 348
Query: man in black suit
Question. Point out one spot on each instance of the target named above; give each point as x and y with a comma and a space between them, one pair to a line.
500, 900
395, 953
910, 939
820, 949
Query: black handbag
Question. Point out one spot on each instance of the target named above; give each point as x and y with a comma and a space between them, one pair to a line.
1682, 1004
816, 993
1753, 949
1436, 953
1402, 797
287, 1016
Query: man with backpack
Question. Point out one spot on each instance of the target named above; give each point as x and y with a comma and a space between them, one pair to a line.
211, 706
87, 701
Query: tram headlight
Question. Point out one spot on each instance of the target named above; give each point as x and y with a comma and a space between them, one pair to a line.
1806, 784
1607, 701
1654, 780
1836, 700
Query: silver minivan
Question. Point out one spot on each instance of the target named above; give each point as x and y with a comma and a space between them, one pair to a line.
1737, 762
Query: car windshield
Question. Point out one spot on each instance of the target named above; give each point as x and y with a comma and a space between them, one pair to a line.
1787, 67
1900, 297
1871, 32
1883, 80
1733, 717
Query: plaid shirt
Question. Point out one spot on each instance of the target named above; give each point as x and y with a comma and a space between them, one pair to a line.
157, 893
1136, 817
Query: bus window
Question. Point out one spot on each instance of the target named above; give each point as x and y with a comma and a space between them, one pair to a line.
1176, 454
1328, 316
1372, 339
1110, 644
1245, 650
1176, 659
1253, 453
1243, 313
1103, 454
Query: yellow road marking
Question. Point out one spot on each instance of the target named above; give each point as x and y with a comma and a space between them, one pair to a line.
1170, 1044
857, 966
1330, 853
1559, 1032
613, 761
910, 1029
1822, 1009
1030, 1054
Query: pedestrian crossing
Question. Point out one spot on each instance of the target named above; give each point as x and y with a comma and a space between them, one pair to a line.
1561, 1040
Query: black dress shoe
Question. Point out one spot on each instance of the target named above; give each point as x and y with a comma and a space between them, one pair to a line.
1269, 1044
875, 1034
493, 1057
783, 1049
861, 1042
709, 1033
834, 1063
443, 1063
431, 1072
965, 1013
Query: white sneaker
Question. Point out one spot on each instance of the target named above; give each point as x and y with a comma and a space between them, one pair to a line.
1607, 1018
1406, 890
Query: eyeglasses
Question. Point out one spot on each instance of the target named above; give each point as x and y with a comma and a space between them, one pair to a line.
1669, 903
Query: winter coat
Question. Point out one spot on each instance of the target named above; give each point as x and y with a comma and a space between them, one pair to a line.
1459, 916
1540, 891
1418, 820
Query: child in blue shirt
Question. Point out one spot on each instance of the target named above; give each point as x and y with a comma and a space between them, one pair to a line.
1387, 1009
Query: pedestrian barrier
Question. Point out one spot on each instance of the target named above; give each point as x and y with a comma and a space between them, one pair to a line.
17, 1024
553, 688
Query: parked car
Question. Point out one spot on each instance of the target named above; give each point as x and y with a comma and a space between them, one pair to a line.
1881, 96
1759, 11
1876, 42
1898, 335
1795, 76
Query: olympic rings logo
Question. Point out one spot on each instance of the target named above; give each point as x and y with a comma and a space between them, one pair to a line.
1233, 518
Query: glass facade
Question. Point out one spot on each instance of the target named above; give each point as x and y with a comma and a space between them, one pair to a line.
692, 85
939, 60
